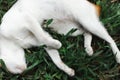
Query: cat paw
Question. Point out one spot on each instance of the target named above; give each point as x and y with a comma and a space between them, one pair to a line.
118, 57
71, 72
55, 44
89, 51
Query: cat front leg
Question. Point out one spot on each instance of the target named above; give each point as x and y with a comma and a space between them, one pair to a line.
54, 54
42, 36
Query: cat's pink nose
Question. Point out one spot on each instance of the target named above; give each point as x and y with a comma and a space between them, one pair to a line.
18, 69
21, 68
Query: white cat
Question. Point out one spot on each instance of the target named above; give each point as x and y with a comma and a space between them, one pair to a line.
22, 28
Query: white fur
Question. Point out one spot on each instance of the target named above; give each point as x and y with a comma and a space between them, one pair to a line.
22, 28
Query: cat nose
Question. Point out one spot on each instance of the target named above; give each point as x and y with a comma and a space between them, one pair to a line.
20, 68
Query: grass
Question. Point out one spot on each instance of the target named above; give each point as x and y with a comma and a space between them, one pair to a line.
101, 66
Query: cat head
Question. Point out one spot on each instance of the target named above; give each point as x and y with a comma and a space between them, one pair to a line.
13, 57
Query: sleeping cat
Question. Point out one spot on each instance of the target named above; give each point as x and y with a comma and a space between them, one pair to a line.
21, 28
